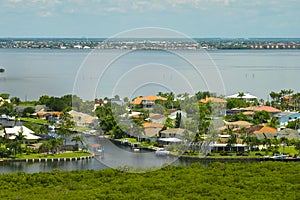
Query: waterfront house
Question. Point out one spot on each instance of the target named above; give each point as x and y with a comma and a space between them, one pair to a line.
83, 119
11, 133
151, 130
288, 133
262, 132
174, 133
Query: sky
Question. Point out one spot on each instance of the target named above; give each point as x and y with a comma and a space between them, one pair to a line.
194, 18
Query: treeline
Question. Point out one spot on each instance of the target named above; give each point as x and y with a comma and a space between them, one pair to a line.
267, 180
53, 103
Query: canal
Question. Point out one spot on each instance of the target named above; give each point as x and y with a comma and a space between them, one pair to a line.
113, 156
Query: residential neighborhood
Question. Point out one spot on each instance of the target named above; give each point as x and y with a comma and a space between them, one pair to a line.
203, 124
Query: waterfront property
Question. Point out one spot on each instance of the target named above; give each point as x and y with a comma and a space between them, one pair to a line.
12, 133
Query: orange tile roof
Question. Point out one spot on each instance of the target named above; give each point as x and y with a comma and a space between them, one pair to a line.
50, 112
266, 129
265, 108
139, 100
214, 99
152, 125
268, 109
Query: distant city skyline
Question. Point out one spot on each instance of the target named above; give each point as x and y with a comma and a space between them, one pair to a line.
194, 18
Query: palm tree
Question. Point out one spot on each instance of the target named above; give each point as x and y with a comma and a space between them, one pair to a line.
66, 124
233, 138
241, 94
46, 146
55, 143
12, 146
20, 140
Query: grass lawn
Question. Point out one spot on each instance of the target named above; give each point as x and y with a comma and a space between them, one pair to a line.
61, 155
82, 128
288, 150
131, 140
36, 121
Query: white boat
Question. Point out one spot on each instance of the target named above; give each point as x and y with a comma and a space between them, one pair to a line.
162, 152
279, 156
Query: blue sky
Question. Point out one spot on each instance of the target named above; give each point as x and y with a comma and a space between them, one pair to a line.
195, 18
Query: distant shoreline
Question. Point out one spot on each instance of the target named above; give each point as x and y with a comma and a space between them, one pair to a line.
151, 43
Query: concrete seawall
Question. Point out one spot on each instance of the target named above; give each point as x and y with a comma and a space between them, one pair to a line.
49, 159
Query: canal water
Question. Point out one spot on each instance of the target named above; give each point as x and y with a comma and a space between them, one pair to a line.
114, 156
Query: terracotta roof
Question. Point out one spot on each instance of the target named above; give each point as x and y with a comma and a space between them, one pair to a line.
51, 113
269, 109
214, 99
152, 132
239, 123
152, 125
156, 116
139, 100
266, 129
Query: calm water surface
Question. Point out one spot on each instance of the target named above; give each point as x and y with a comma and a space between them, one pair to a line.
31, 73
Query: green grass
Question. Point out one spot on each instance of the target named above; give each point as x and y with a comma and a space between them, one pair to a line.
288, 150
36, 121
82, 128
27, 103
61, 155
131, 140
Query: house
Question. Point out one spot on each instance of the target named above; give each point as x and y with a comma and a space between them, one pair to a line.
288, 133
151, 130
178, 133
238, 124
157, 118
269, 109
173, 114
82, 119
11, 133
213, 99
246, 96
285, 117
46, 114
262, 132
250, 111
146, 102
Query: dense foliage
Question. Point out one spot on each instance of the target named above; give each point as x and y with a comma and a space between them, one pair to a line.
267, 180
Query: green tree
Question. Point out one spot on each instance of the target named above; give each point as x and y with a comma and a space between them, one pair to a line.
297, 146
28, 111
15, 100
177, 120
55, 143
236, 103
20, 138
232, 139
261, 117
